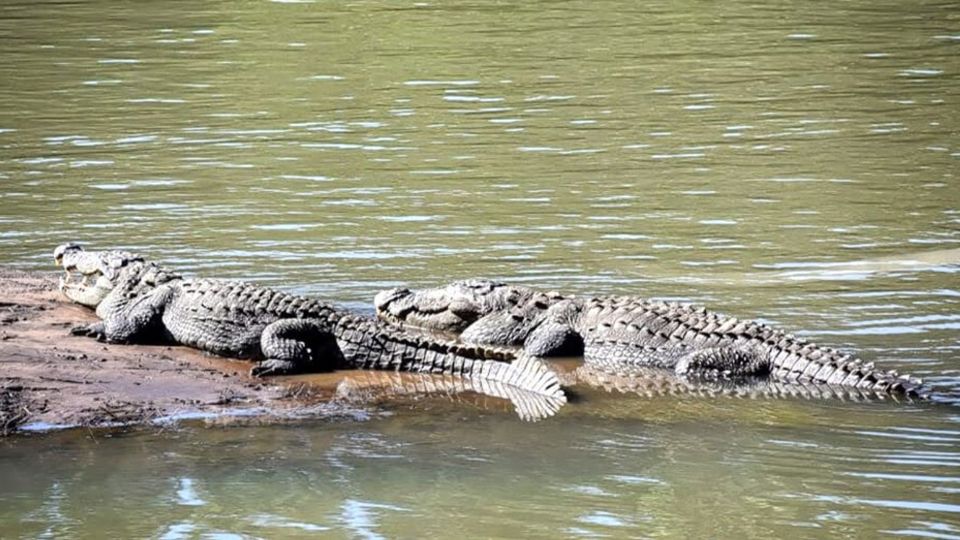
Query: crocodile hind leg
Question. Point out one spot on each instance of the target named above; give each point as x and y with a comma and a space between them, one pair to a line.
683, 359
553, 332
297, 345
732, 361
553, 338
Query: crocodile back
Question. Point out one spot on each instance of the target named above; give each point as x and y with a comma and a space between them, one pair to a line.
250, 300
132, 282
617, 324
229, 317
662, 324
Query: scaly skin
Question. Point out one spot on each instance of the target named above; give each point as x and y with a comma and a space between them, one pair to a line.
366, 386
616, 332
72, 257
654, 382
646, 382
285, 333
483, 310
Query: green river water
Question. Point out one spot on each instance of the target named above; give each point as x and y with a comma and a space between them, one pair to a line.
788, 161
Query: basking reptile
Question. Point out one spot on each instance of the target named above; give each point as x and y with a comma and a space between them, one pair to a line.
285, 333
629, 331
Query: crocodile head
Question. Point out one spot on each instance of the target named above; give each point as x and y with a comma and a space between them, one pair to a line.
89, 276
68, 249
75, 261
448, 308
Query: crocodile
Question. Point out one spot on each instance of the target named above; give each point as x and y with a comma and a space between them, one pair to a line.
285, 333
620, 331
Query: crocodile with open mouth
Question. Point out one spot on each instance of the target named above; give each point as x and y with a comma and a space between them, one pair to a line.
139, 301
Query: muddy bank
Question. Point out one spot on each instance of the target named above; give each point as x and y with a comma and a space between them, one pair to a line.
48, 377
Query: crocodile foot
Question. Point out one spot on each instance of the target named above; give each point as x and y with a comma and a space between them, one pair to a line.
273, 366
95, 330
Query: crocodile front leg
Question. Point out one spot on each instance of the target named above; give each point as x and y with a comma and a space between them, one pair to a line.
552, 339
95, 330
138, 322
555, 332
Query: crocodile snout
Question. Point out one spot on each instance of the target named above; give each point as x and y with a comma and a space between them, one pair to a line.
63, 249
384, 299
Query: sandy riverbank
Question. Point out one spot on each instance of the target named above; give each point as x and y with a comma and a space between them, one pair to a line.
50, 378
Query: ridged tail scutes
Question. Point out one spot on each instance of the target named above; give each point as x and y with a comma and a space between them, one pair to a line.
529, 406
653, 382
526, 373
364, 387
368, 344
838, 369
894, 383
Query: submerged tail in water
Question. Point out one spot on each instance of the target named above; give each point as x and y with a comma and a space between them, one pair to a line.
652, 382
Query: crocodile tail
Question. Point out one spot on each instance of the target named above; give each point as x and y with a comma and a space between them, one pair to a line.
822, 365
362, 386
371, 344
886, 381
526, 373
651, 382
